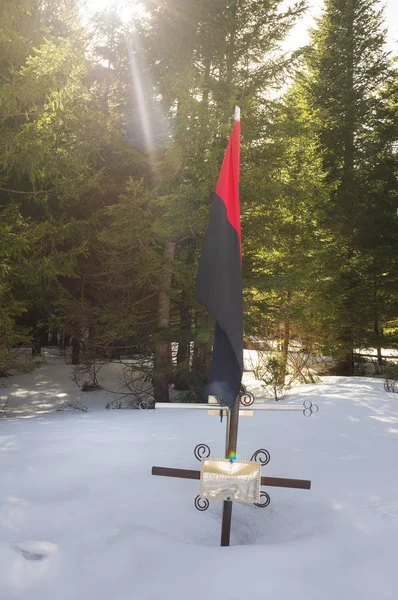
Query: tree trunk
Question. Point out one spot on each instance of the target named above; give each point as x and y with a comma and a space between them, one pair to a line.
40, 339
286, 338
36, 348
75, 351
181, 380
41, 335
347, 195
378, 333
53, 341
162, 366
346, 363
184, 345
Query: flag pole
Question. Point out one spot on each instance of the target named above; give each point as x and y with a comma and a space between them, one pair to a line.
231, 452
231, 445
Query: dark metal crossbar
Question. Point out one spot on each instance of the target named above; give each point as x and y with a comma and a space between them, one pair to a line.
302, 484
244, 402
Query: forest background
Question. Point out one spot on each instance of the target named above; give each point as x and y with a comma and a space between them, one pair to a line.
112, 132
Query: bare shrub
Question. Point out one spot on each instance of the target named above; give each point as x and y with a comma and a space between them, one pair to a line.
73, 406
135, 383
3, 406
391, 379
18, 360
279, 370
86, 375
274, 377
147, 403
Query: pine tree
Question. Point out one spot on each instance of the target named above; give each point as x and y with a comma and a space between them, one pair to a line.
378, 230
63, 156
347, 65
282, 263
203, 57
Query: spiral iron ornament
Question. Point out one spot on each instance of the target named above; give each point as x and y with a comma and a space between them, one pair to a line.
264, 500
201, 452
309, 408
261, 456
246, 398
148, 403
201, 504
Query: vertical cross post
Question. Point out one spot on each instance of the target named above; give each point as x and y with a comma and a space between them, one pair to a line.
232, 442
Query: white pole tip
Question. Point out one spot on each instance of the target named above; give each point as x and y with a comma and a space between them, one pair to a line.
237, 113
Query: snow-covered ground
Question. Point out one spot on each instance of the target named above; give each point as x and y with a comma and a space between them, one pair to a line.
81, 517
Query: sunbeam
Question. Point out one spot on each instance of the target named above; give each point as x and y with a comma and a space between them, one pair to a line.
148, 124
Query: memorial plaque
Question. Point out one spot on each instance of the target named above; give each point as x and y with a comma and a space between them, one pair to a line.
237, 481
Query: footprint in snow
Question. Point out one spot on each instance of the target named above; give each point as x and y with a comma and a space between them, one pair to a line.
33, 563
35, 550
389, 510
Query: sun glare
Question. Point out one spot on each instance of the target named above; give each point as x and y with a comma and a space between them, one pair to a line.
125, 8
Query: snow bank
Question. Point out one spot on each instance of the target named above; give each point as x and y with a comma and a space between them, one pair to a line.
82, 518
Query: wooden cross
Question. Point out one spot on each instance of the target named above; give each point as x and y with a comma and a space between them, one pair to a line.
202, 451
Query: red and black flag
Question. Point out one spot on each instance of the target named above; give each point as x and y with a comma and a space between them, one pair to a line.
219, 279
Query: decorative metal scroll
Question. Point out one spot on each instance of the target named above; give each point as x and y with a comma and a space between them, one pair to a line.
309, 408
265, 500
148, 403
246, 398
201, 504
261, 456
201, 451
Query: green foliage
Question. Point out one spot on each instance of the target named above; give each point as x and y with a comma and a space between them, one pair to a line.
347, 75
274, 375
111, 139
282, 264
